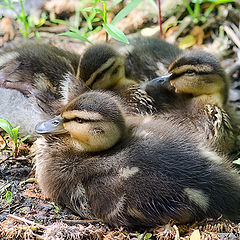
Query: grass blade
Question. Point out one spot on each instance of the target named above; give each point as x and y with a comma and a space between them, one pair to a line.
115, 33
75, 35
7, 127
24, 138
125, 11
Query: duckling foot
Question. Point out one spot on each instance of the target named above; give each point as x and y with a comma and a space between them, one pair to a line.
24, 88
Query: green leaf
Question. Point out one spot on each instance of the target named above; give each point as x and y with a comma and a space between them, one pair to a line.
9, 196
24, 138
148, 235
15, 134
104, 12
125, 11
75, 35
6, 126
115, 33
237, 161
89, 9
60, 21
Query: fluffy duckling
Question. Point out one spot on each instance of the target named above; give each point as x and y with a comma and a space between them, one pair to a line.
103, 67
131, 170
198, 98
35, 80
147, 58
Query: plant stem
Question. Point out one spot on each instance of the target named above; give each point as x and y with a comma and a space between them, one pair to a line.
160, 18
189, 8
23, 16
15, 151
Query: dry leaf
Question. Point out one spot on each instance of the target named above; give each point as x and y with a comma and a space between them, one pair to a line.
187, 41
195, 235
198, 33
32, 194
7, 28
2, 143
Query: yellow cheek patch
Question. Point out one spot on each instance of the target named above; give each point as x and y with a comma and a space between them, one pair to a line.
77, 131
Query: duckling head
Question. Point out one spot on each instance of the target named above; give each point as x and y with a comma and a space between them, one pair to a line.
92, 122
197, 73
102, 67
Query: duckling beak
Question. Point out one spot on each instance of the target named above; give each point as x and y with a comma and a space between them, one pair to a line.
162, 79
52, 126
159, 80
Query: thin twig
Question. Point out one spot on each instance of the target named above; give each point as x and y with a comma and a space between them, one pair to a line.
160, 18
3, 160
27, 221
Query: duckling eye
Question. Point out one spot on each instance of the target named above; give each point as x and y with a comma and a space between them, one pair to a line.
79, 120
190, 71
115, 71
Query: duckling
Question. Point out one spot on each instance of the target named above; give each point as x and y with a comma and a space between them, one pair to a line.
35, 80
198, 98
103, 67
131, 170
148, 57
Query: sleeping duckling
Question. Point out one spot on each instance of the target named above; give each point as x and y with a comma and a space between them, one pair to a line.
131, 170
102, 67
199, 98
35, 80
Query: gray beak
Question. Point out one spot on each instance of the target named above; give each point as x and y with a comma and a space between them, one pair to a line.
154, 82
162, 79
52, 126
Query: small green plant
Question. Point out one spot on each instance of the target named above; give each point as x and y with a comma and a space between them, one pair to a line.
94, 15
237, 161
141, 236
13, 133
56, 208
196, 11
24, 20
9, 199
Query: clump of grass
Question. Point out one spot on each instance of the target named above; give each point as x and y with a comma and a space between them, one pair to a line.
25, 21
196, 13
13, 133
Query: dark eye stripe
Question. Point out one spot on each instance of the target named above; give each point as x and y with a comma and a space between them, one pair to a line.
80, 120
100, 75
194, 71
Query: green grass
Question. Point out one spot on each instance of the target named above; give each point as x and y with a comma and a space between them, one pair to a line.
13, 133
196, 13
27, 25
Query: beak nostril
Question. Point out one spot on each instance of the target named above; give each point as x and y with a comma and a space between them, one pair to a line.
55, 122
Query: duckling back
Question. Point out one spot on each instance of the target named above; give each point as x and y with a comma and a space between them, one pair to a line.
36, 80
148, 58
155, 172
